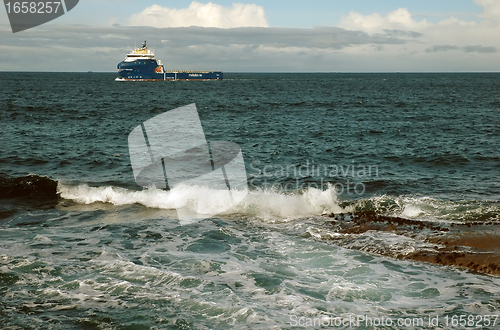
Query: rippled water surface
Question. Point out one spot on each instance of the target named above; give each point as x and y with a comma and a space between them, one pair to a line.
83, 246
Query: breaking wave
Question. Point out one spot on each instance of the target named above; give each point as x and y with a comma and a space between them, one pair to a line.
273, 204
262, 203
34, 190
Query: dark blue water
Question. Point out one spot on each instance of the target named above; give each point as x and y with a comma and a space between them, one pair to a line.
83, 246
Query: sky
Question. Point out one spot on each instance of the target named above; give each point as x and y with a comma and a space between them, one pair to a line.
264, 36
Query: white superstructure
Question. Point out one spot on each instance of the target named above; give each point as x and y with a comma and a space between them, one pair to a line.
142, 53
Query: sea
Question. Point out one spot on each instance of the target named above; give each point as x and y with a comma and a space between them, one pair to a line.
83, 246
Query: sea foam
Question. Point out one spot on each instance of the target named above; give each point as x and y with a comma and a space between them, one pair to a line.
262, 203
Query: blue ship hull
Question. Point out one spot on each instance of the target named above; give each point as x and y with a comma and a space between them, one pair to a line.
150, 70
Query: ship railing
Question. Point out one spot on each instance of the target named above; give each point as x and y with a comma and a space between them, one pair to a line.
186, 71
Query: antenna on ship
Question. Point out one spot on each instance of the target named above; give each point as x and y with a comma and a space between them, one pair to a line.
144, 44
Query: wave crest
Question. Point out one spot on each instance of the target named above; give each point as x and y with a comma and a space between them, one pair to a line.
262, 203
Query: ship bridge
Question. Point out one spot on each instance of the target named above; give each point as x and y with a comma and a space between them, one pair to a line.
142, 53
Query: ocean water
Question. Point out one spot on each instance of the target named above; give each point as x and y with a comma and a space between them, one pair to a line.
82, 246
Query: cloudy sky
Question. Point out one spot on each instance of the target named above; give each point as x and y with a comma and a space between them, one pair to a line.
264, 36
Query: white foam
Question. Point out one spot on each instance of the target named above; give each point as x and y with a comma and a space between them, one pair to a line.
411, 211
84, 194
271, 204
260, 203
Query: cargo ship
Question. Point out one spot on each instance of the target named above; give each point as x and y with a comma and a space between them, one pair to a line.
140, 65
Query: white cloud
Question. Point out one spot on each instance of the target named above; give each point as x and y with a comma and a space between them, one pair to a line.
491, 10
201, 14
400, 19
445, 38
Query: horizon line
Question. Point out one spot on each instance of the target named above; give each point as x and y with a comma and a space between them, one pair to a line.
273, 72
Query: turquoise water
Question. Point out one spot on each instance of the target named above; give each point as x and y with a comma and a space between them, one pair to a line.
82, 246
